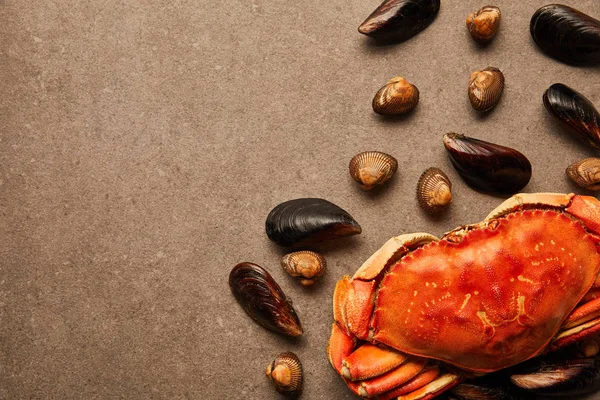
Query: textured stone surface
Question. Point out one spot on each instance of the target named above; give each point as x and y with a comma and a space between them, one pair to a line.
143, 143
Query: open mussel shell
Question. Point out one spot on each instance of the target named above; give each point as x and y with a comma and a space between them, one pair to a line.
484, 24
487, 166
263, 300
372, 168
575, 112
286, 374
560, 378
485, 88
399, 20
396, 97
305, 266
434, 190
566, 34
585, 173
307, 221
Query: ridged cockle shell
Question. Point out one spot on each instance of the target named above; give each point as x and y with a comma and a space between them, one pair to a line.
485, 88
434, 190
372, 168
585, 173
305, 266
484, 24
396, 97
286, 374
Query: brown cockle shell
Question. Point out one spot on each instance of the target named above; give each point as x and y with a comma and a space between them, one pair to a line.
485, 88
434, 190
286, 374
484, 23
371, 168
305, 266
585, 173
396, 97
263, 300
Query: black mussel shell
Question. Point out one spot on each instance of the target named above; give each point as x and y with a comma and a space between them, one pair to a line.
575, 112
399, 20
488, 166
560, 378
307, 221
263, 300
566, 34
482, 391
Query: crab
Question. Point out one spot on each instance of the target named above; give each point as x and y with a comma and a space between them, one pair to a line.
422, 314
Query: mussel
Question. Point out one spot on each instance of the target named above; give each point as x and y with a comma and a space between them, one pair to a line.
399, 20
585, 173
566, 34
484, 24
263, 300
552, 378
487, 166
371, 168
485, 88
477, 391
434, 190
307, 221
286, 374
575, 112
306, 266
396, 97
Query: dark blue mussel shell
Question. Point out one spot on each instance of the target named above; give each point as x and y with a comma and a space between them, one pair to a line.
399, 20
566, 34
307, 221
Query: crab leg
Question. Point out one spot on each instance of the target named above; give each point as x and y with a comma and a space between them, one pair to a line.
417, 382
369, 361
391, 380
432, 389
339, 347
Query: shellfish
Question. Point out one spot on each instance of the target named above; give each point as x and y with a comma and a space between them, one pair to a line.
305, 266
566, 34
585, 173
484, 24
399, 20
434, 190
286, 374
396, 97
575, 112
372, 168
308, 221
485, 88
263, 300
488, 166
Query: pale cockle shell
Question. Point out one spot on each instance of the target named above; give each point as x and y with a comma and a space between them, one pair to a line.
485, 88
372, 168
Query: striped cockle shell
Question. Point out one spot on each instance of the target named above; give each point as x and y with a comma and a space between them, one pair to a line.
485, 88
434, 190
286, 374
372, 168
396, 97
484, 24
585, 173
306, 266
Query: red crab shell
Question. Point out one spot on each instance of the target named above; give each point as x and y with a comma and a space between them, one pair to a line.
483, 298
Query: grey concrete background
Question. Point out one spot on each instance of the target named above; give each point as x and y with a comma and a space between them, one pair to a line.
143, 143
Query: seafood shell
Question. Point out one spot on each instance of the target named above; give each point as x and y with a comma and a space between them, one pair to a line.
372, 168
484, 24
566, 34
485, 88
476, 391
263, 300
399, 20
560, 378
396, 97
575, 112
434, 190
308, 221
487, 166
305, 266
286, 374
585, 173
